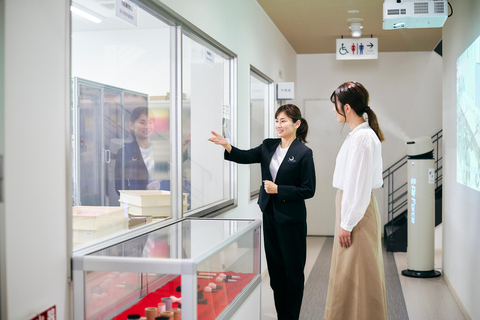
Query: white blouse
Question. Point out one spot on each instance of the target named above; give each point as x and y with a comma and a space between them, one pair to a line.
358, 170
277, 160
147, 156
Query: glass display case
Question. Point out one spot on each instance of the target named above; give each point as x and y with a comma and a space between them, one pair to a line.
202, 268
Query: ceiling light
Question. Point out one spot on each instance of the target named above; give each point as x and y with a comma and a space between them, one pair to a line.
85, 14
356, 28
354, 20
353, 11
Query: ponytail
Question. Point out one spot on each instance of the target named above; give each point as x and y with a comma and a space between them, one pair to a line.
373, 123
355, 94
302, 131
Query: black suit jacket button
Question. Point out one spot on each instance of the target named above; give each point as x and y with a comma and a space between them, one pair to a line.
283, 200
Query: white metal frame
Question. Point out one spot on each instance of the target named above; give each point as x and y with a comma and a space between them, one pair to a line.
187, 268
268, 112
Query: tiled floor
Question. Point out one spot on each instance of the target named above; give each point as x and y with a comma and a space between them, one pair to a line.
425, 299
314, 245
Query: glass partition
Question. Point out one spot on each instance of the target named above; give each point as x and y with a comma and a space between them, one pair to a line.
207, 106
260, 116
121, 120
147, 89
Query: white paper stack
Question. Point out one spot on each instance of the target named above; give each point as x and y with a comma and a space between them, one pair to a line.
91, 222
148, 203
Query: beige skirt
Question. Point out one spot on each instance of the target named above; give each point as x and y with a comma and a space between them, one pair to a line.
356, 289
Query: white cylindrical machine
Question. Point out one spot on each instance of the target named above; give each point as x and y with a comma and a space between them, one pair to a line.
421, 209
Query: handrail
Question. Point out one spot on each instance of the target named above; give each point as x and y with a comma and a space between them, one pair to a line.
393, 165
397, 195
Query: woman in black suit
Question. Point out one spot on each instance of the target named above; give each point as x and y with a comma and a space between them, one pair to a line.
288, 175
135, 159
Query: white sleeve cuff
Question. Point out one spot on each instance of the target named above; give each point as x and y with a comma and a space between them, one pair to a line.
345, 227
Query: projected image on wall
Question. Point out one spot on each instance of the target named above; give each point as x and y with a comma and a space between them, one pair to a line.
468, 117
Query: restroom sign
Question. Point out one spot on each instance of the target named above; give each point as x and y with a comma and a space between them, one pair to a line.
357, 49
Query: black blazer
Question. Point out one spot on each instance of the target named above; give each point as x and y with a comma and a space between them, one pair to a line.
136, 174
295, 178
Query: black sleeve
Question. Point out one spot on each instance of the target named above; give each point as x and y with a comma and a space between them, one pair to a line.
244, 156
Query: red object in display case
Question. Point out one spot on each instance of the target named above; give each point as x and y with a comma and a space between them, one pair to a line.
139, 272
216, 301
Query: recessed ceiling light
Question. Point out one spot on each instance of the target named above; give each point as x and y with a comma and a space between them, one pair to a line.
83, 13
355, 20
356, 28
353, 11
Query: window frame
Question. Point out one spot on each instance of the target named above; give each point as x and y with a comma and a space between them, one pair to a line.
178, 27
268, 114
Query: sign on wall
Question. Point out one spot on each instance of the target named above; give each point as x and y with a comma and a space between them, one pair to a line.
285, 90
127, 11
357, 49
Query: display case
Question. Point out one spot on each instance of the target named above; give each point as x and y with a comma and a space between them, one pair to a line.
206, 268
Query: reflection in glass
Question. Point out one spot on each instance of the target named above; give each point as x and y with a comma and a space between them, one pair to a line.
259, 107
121, 120
110, 290
101, 128
206, 106
198, 236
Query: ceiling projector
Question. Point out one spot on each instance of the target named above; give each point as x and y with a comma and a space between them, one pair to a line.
414, 14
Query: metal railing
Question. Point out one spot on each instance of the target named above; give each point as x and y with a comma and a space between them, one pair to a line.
395, 179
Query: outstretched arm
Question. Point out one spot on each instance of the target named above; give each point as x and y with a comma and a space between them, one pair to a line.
235, 154
219, 139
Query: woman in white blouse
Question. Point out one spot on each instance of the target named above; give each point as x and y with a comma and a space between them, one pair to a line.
356, 288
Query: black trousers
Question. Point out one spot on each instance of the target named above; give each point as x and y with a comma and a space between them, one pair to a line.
286, 252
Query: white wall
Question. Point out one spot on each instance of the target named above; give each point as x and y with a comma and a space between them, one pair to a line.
36, 155
461, 205
405, 93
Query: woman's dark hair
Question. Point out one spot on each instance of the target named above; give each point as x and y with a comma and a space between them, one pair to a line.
354, 94
294, 113
137, 113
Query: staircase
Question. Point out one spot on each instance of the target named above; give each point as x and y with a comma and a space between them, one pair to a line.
395, 180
